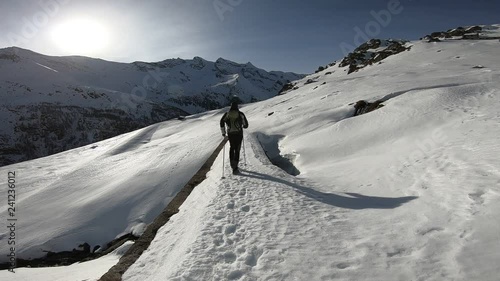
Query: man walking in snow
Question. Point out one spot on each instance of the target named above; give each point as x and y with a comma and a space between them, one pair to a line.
235, 121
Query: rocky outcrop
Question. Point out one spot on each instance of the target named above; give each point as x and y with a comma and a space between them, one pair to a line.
475, 32
362, 107
80, 254
372, 52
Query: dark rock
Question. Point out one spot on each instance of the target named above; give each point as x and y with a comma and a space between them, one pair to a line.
69, 257
271, 113
96, 248
362, 107
362, 56
287, 87
321, 68
11, 57
472, 36
85, 247
438, 34
309, 81
470, 33
473, 29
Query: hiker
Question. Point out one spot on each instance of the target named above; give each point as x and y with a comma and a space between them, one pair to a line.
235, 121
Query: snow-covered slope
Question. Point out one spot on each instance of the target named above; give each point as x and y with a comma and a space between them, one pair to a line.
406, 192
51, 104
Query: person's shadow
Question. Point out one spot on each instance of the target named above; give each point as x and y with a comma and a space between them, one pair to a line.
353, 201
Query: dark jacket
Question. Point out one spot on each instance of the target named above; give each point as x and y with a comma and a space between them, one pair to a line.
235, 121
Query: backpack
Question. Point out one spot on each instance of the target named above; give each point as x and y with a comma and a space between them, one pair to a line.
234, 121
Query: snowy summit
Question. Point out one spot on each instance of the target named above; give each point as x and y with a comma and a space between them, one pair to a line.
53, 104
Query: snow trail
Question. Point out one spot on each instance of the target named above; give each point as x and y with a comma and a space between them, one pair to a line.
261, 225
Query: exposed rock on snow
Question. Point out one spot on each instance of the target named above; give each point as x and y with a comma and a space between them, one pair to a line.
362, 107
82, 253
372, 52
475, 32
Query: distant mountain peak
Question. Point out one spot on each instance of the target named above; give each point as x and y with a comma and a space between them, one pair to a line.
83, 100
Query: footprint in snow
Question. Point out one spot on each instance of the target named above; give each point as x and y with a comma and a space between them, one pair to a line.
430, 230
219, 216
253, 257
343, 265
399, 252
229, 257
477, 197
230, 229
218, 241
234, 275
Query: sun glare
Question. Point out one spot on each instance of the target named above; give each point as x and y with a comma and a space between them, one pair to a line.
81, 37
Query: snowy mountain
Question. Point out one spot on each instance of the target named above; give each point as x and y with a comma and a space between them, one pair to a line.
52, 104
408, 191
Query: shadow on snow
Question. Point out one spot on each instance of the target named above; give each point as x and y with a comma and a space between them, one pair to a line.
353, 201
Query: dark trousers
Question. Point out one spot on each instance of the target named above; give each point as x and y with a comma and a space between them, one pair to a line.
234, 150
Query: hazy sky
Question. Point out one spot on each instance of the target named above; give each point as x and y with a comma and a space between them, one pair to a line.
288, 35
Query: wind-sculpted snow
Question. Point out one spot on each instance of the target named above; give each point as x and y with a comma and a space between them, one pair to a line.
270, 144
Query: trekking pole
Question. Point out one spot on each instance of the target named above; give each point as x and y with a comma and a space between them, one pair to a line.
223, 158
244, 153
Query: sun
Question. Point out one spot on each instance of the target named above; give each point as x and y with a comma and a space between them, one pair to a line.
81, 37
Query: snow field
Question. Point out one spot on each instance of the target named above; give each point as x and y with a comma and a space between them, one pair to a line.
407, 192
398, 194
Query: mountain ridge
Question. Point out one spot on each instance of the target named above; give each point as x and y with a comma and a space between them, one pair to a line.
55, 103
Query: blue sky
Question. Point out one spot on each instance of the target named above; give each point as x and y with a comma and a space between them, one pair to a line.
288, 35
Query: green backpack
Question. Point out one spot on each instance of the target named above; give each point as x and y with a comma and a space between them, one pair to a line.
233, 121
